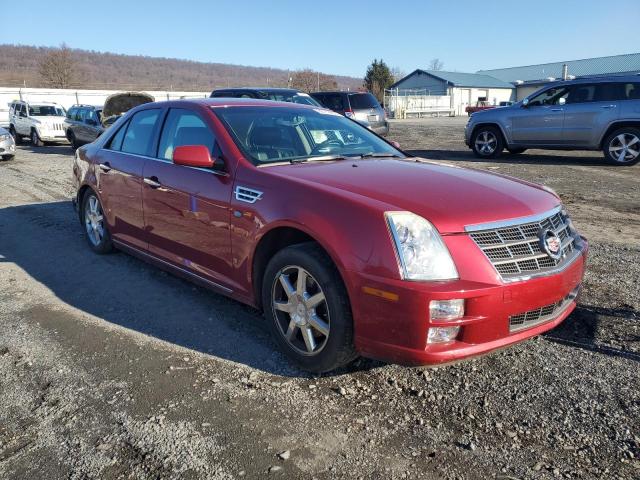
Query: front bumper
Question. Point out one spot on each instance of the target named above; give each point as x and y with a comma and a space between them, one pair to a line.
53, 136
394, 327
7, 148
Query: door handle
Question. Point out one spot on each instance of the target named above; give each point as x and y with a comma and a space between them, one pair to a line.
556, 110
152, 182
105, 167
609, 106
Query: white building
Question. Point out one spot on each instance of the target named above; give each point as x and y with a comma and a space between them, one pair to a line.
463, 88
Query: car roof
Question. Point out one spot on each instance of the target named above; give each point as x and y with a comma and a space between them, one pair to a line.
599, 79
228, 102
259, 89
340, 91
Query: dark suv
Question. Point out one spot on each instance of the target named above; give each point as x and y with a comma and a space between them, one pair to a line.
586, 114
289, 95
360, 106
83, 124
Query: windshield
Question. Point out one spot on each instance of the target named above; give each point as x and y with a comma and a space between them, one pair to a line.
278, 134
45, 111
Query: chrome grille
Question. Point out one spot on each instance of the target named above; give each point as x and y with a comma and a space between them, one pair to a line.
540, 315
515, 249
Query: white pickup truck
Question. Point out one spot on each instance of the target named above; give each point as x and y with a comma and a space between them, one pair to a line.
41, 122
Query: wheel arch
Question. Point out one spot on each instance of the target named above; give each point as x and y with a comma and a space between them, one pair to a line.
615, 126
490, 124
276, 238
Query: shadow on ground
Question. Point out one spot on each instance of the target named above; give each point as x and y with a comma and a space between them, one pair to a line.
47, 242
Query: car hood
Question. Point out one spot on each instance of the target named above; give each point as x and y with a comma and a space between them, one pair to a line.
122, 102
450, 197
49, 119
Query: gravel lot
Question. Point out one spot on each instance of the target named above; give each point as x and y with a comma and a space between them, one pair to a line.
110, 368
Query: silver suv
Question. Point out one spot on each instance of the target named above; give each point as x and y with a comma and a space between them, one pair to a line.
586, 114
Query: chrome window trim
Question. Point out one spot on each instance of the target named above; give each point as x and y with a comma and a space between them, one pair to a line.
146, 157
514, 221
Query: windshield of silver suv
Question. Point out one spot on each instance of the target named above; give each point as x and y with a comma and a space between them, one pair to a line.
45, 111
278, 134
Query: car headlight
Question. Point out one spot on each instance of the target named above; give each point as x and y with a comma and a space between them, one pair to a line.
421, 252
5, 137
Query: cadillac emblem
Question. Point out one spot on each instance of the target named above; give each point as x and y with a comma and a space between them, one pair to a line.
551, 244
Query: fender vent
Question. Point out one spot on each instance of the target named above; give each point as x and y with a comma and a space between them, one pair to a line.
247, 195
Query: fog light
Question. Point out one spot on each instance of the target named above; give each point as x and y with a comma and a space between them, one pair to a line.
446, 309
442, 334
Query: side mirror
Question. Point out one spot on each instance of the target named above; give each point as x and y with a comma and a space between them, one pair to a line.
525, 102
395, 144
562, 101
193, 156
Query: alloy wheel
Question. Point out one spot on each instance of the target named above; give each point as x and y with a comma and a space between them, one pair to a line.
94, 221
301, 310
624, 148
486, 142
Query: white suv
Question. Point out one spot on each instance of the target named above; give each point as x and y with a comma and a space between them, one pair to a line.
41, 122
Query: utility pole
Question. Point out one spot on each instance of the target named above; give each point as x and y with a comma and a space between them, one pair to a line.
318, 81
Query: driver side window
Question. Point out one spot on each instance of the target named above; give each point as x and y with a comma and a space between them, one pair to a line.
184, 127
551, 96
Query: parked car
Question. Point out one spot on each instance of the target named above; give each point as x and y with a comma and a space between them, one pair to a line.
39, 121
347, 244
7, 145
360, 106
586, 114
481, 104
277, 94
83, 124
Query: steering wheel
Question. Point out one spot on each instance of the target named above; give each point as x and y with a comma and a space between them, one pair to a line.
328, 145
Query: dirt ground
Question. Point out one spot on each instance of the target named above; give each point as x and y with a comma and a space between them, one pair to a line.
112, 369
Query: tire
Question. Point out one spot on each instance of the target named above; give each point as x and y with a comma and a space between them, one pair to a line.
99, 238
35, 139
487, 142
6, 158
622, 147
17, 138
316, 330
72, 141
516, 151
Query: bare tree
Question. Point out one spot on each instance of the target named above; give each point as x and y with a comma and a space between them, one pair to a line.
57, 67
397, 73
436, 64
308, 80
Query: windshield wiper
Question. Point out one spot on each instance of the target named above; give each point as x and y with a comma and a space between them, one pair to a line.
380, 155
324, 158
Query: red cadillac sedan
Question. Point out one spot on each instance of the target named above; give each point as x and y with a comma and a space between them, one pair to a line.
347, 244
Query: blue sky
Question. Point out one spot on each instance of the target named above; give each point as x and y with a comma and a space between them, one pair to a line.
339, 37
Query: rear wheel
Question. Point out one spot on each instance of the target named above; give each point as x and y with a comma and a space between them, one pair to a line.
7, 157
308, 310
95, 225
487, 142
35, 139
72, 140
622, 147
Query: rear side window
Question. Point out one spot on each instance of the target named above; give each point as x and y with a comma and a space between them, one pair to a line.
116, 141
138, 137
70, 113
631, 91
332, 101
363, 100
183, 127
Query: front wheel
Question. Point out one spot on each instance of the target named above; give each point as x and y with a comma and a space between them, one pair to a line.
487, 142
16, 138
35, 139
72, 141
622, 147
7, 157
95, 225
308, 310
